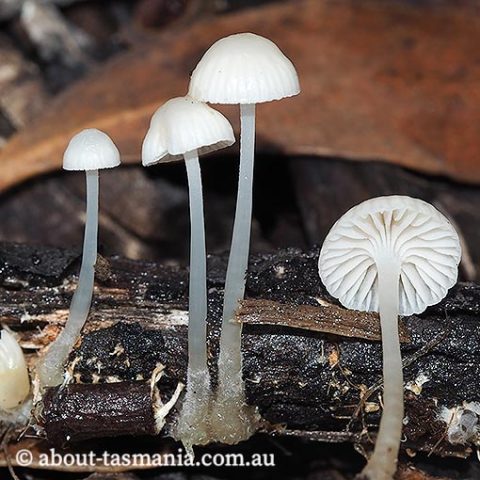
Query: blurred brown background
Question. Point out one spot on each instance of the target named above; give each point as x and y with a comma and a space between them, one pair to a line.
390, 104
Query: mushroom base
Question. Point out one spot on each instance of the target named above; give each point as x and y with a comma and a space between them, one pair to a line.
17, 416
231, 419
193, 425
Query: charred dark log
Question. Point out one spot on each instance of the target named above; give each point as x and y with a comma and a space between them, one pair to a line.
78, 412
312, 368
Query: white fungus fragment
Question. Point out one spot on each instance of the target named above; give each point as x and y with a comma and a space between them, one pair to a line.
416, 385
462, 423
14, 379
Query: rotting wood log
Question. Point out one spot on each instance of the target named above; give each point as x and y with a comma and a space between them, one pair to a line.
309, 377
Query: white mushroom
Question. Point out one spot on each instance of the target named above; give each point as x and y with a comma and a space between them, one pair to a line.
240, 69
396, 256
14, 379
180, 129
89, 151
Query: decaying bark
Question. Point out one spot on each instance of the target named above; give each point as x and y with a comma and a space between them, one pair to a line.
312, 368
86, 411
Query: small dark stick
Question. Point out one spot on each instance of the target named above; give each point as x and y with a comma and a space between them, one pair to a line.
85, 411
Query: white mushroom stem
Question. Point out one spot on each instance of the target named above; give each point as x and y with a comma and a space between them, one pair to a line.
197, 312
192, 426
230, 359
383, 463
231, 420
51, 368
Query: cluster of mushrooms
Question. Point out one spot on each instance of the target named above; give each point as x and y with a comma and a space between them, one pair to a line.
393, 255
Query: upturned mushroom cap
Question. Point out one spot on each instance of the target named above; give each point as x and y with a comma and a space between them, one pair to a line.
409, 231
182, 125
243, 68
91, 149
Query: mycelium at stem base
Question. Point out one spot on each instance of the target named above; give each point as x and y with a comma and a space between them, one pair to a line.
231, 419
193, 422
383, 462
51, 368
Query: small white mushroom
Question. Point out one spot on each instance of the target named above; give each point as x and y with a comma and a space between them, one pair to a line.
243, 69
14, 379
89, 151
393, 255
181, 129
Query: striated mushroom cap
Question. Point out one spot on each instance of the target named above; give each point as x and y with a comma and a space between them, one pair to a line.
91, 149
243, 68
182, 125
411, 232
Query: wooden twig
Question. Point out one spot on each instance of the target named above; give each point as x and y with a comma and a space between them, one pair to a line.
325, 318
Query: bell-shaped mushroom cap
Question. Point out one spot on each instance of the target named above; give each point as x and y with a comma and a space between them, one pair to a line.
91, 149
243, 68
411, 232
14, 380
182, 125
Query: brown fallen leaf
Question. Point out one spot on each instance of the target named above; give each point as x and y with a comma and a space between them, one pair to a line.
381, 80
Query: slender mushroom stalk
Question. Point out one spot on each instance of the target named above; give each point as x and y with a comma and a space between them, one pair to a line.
192, 426
396, 256
243, 69
230, 406
185, 128
390, 431
90, 150
197, 297
50, 370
